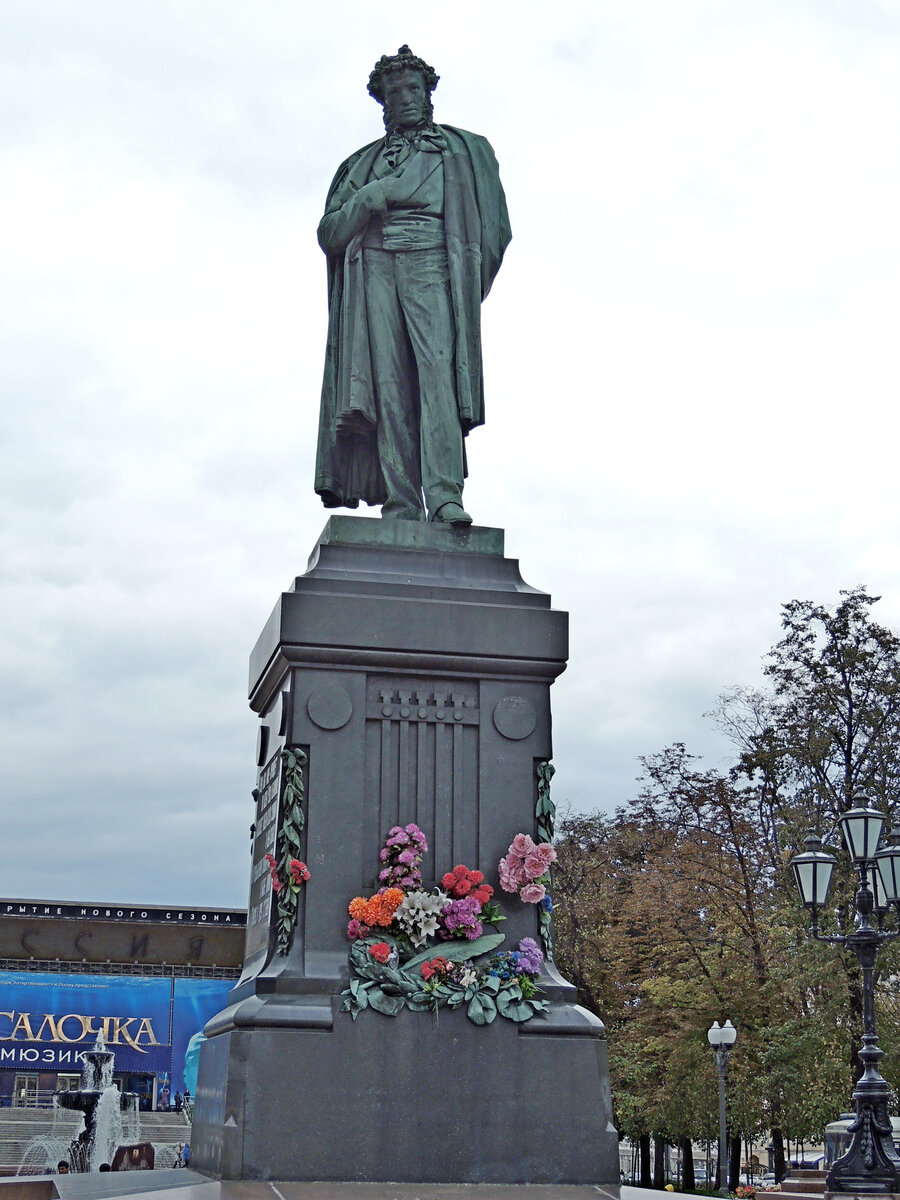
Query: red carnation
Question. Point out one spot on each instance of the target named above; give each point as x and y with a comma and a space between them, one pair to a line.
435, 966
299, 871
381, 952
460, 882
273, 871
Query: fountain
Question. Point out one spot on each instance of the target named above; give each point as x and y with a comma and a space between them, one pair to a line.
106, 1119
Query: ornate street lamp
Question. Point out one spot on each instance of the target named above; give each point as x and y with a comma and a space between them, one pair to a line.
722, 1038
870, 1166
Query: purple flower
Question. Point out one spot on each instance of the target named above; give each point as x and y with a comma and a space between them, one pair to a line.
531, 957
407, 857
461, 916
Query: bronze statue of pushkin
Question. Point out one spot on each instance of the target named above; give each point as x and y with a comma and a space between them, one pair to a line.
414, 230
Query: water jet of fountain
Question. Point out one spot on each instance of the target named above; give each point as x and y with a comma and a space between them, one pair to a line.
109, 1118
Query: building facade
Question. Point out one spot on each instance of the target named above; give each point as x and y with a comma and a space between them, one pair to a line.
146, 979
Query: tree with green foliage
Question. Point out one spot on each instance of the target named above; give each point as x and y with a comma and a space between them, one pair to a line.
679, 910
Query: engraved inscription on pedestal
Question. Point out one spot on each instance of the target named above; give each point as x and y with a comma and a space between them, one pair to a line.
267, 808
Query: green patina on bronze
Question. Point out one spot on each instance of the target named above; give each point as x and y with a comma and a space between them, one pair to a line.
545, 812
290, 836
415, 229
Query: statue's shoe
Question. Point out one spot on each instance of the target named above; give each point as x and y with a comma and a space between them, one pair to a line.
452, 514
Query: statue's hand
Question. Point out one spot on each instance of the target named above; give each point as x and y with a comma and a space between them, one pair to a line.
401, 187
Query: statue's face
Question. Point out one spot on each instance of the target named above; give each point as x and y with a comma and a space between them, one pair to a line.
405, 99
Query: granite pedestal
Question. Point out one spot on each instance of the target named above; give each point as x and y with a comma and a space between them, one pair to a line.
411, 665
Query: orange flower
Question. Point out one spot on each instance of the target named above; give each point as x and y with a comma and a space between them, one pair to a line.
357, 908
380, 909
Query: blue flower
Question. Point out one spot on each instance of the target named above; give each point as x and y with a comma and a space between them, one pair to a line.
547, 904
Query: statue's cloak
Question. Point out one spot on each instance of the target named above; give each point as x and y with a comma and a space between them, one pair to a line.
476, 226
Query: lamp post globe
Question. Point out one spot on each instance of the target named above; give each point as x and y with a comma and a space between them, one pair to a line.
861, 827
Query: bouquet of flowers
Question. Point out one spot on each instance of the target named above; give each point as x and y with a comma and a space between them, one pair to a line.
392, 966
402, 854
525, 868
298, 874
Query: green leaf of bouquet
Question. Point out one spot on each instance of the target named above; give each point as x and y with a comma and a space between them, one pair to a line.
491, 983
358, 990
458, 951
482, 1009
512, 1006
389, 1005
417, 1005
359, 955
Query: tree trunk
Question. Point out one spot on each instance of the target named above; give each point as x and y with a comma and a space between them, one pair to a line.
644, 1148
687, 1165
779, 1168
659, 1163
734, 1162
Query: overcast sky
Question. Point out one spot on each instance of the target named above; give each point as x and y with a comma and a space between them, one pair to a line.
691, 374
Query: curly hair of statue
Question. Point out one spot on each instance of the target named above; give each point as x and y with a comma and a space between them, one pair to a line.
403, 60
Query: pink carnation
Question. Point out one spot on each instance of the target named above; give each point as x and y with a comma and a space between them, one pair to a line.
532, 893
539, 860
546, 852
521, 845
516, 867
534, 866
507, 881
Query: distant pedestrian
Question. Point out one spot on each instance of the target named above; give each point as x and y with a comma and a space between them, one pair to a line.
186, 1154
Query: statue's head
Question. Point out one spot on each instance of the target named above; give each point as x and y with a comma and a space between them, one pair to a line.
402, 83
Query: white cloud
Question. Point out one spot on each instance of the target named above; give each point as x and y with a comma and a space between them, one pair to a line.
690, 365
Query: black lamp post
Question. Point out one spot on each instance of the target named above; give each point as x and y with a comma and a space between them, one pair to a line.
870, 1166
722, 1039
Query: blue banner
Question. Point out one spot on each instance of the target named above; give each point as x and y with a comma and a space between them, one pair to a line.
196, 1000
48, 1020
